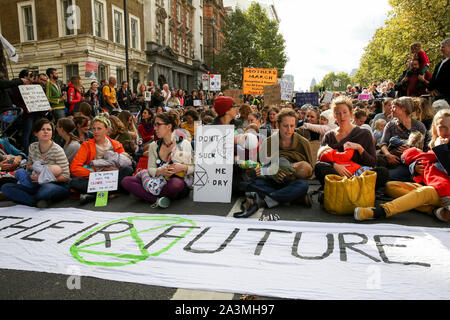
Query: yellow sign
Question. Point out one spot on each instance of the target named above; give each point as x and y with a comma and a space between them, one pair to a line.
256, 79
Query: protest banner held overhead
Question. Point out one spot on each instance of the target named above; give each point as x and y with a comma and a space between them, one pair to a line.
302, 98
255, 80
272, 94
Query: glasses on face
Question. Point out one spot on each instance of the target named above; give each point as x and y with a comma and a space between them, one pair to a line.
157, 124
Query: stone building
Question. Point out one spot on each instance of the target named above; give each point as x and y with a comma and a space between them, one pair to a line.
77, 37
174, 42
213, 25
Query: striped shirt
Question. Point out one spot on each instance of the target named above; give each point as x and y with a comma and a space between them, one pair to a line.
54, 156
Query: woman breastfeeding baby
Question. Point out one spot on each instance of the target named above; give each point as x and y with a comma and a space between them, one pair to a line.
47, 174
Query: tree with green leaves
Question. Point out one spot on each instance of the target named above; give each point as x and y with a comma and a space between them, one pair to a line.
409, 21
330, 80
251, 40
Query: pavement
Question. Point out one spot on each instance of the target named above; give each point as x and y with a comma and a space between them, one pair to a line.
24, 285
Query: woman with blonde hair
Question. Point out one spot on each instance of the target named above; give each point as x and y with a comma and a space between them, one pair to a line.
128, 121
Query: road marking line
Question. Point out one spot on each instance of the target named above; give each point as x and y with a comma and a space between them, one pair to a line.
185, 294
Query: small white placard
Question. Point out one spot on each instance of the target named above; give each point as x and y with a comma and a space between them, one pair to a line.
197, 103
34, 98
103, 181
148, 96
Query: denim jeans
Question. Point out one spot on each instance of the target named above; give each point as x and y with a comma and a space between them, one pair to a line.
30, 196
27, 138
282, 193
400, 173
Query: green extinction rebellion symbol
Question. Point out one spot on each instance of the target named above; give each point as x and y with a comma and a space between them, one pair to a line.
127, 241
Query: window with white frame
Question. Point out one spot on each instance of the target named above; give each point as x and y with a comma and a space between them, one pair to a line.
99, 19
118, 24
188, 19
120, 75
135, 32
178, 11
71, 70
101, 72
27, 21
201, 25
67, 15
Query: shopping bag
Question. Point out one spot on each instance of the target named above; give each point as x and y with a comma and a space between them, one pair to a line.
342, 195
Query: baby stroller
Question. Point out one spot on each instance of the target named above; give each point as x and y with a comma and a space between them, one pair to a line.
8, 116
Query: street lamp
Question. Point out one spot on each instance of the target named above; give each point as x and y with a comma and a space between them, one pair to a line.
213, 21
125, 11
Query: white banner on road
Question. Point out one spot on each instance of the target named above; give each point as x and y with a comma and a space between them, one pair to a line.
288, 259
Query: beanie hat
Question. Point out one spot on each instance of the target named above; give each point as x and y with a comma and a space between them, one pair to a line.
328, 114
222, 104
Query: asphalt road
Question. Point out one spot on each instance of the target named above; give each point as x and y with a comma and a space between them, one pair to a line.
19, 285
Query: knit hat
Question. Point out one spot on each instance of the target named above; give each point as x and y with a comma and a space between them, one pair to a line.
222, 104
328, 114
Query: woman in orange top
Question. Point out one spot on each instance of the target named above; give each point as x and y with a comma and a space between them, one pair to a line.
94, 149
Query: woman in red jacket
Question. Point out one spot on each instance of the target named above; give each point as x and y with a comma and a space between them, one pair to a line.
94, 149
145, 128
74, 93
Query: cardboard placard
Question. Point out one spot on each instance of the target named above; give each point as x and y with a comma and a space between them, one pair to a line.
255, 80
34, 98
236, 94
103, 181
214, 157
272, 94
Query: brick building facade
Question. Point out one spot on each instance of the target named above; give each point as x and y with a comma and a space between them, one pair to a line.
70, 35
213, 25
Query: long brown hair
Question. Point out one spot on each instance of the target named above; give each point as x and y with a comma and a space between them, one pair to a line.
69, 127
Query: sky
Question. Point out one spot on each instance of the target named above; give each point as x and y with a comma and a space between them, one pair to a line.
324, 36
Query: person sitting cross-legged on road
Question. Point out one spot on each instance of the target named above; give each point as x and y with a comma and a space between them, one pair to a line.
430, 168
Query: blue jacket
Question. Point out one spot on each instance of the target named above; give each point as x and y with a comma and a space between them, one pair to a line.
10, 149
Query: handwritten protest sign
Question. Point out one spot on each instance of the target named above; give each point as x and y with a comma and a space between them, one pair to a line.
272, 94
328, 97
255, 80
214, 156
302, 98
34, 98
103, 181
236, 94
287, 89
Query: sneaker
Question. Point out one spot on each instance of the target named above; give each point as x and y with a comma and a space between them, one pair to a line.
270, 217
86, 198
442, 214
362, 214
163, 202
42, 204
